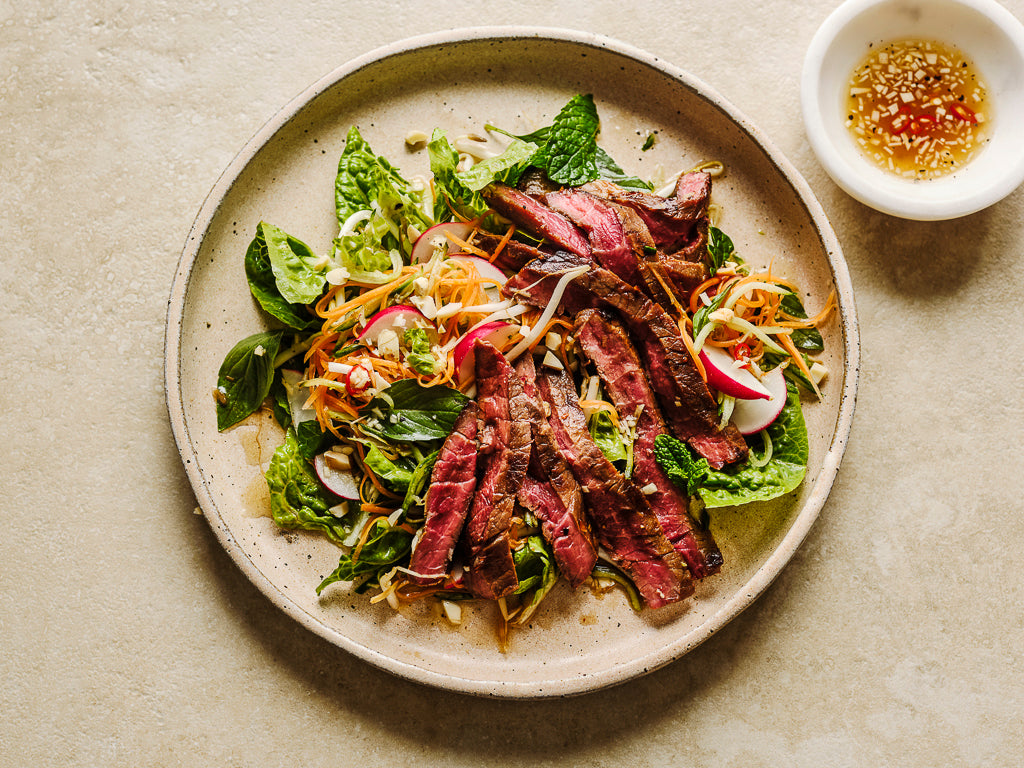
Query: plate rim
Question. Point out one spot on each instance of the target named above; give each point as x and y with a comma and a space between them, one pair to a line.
537, 689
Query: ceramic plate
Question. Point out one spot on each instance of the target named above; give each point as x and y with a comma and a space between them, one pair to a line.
518, 79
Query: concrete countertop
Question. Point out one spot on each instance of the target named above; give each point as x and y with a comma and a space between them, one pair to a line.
131, 638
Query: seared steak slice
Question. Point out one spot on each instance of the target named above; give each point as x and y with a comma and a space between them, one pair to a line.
449, 495
625, 525
536, 218
535, 183
687, 403
605, 343
513, 257
604, 229
504, 441
671, 220
551, 492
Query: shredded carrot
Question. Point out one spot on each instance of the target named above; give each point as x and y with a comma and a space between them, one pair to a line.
695, 294
364, 298
688, 343
501, 245
798, 359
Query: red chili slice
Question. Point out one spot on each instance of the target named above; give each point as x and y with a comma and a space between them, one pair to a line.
965, 114
356, 387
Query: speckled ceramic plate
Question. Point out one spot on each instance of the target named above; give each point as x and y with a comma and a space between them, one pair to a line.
519, 79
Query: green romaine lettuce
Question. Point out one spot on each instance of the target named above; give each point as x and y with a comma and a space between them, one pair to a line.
783, 473
451, 194
297, 500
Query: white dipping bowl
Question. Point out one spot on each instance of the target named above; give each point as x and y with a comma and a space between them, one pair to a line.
986, 33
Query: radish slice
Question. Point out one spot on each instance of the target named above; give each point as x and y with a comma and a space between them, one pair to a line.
436, 237
497, 333
487, 271
730, 380
338, 481
398, 318
751, 416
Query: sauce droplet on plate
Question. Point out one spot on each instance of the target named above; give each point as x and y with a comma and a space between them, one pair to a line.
918, 109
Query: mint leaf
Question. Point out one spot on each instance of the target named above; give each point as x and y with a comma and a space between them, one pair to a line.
679, 463
570, 154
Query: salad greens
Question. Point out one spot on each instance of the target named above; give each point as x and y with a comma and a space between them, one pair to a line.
389, 444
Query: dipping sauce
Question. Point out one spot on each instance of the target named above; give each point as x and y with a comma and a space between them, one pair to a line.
917, 108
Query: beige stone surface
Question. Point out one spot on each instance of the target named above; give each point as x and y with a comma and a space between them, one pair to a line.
129, 636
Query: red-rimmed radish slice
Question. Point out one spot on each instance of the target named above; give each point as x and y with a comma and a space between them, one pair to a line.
484, 268
751, 416
399, 318
436, 236
487, 271
335, 477
497, 333
724, 376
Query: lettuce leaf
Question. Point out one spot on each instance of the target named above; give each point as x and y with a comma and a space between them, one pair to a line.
263, 285
450, 193
368, 182
783, 473
506, 167
297, 500
297, 276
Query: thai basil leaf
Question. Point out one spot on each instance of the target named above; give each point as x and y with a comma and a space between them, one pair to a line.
414, 413
415, 494
720, 249
263, 285
451, 194
807, 339
385, 546
569, 156
610, 170
297, 500
279, 401
702, 315
297, 275
312, 440
396, 477
506, 167
245, 376
679, 463
783, 473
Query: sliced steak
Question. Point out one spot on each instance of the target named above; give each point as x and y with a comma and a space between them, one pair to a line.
449, 496
671, 220
687, 403
551, 492
536, 218
604, 229
504, 442
625, 525
606, 344
513, 256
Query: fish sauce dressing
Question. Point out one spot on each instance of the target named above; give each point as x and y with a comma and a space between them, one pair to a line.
918, 109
